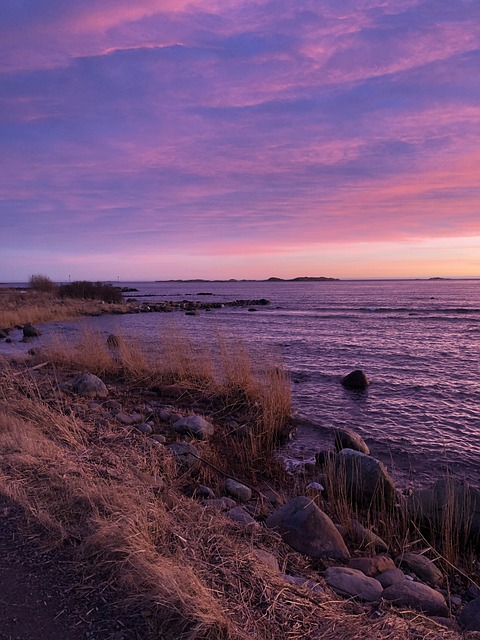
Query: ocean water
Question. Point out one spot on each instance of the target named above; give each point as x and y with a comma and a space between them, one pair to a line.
417, 340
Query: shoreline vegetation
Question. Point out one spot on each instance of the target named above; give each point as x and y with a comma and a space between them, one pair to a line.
157, 475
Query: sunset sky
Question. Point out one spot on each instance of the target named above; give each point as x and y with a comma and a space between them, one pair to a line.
157, 139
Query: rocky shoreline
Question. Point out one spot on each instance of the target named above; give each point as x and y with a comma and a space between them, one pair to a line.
346, 559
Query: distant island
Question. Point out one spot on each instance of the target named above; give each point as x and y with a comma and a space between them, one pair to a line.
302, 279
272, 279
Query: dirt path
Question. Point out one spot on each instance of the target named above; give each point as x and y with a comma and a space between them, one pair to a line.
38, 600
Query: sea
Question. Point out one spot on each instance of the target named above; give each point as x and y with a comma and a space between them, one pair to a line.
418, 341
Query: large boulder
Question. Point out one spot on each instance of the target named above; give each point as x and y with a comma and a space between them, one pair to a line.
89, 385
448, 504
353, 583
417, 596
356, 380
195, 426
348, 439
307, 529
367, 481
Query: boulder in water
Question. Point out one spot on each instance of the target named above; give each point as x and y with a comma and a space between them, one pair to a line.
356, 380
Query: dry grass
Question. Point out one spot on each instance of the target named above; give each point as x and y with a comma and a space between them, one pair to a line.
192, 573
20, 307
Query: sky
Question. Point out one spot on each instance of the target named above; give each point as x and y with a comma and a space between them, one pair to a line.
162, 139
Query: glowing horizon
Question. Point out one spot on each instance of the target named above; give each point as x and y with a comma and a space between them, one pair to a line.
241, 139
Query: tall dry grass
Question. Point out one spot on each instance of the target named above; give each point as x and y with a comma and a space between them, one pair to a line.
20, 307
191, 573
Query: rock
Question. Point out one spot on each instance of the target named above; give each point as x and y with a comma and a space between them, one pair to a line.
159, 438
469, 618
364, 538
237, 490
423, 568
356, 380
368, 483
164, 415
307, 529
371, 567
3, 334
145, 428
30, 331
392, 576
221, 504
124, 418
202, 491
186, 455
348, 439
300, 581
417, 596
195, 426
267, 558
352, 583
446, 622
238, 514
448, 502
89, 385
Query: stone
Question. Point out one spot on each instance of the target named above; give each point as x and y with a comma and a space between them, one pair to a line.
371, 567
237, 490
30, 331
124, 418
417, 596
348, 439
450, 501
89, 385
145, 428
352, 583
301, 581
267, 558
392, 576
423, 568
356, 380
113, 340
221, 504
368, 483
195, 426
307, 529
238, 514
158, 437
186, 455
469, 617
364, 538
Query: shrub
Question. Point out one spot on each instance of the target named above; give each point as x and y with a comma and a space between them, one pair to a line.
86, 290
42, 283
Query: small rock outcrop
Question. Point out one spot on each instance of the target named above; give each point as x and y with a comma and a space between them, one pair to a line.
352, 583
368, 483
195, 426
89, 385
348, 439
417, 596
356, 380
307, 529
